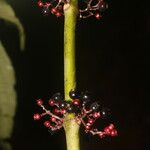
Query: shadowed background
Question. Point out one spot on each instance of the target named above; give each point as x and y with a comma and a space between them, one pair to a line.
112, 63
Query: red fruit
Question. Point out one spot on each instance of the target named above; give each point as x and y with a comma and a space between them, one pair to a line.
111, 127
37, 117
53, 10
58, 14
39, 102
47, 124
113, 132
40, 4
91, 121
51, 102
53, 119
76, 102
96, 115
56, 111
88, 124
107, 130
63, 111
87, 127
98, 16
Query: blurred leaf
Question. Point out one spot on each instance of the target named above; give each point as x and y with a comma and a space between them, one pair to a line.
8, 100
7, 14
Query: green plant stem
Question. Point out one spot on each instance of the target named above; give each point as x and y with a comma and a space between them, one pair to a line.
70, 13
70, 125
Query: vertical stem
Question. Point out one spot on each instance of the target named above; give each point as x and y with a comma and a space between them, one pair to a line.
70, 12
70, 125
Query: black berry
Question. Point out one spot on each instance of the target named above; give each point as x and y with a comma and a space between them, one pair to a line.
62, 105
57, 97
73, 94
94, 106
105, 113
85, 97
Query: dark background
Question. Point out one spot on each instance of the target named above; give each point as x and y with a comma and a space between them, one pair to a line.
112, 63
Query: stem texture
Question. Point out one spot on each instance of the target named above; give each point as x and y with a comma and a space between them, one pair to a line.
70, 13
70, 125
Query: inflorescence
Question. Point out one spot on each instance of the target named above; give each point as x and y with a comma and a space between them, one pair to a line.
86, 113
87, 8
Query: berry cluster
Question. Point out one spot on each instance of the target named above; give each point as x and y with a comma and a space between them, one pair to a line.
87, 8
86, 113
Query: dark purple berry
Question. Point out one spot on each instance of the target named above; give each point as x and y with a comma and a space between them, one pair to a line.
94, 106
57, 97
103, 6
85, 97
62, 105
70, 109
74, 94
105, 113
45, 10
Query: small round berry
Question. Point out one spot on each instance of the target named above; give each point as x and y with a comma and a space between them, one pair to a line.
56, 111
91, 121
51, 102
62, 105
114, 132
40, 4
53, 119
39, 102
70, 109
53, 10
88, 124
96, 115
105, 113
87, 127
103, 6
62, 111
111, 127
45, 10
73, 94
47, 124
58, 14
57, 97
98, 16
107, 130
85, 97
94, 106
37, 117
76, 102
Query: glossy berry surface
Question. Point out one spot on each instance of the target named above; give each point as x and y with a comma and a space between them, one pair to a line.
85, 10
51, 102
85, 97
105, 113
47, 124
73, 94
85, 112
37, 117
39, 102
57, 97
95, 106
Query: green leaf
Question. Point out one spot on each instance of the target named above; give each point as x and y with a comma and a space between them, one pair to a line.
8, 101
7, 14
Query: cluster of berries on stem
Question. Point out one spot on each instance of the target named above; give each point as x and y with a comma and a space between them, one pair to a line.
86, 113
87, 8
